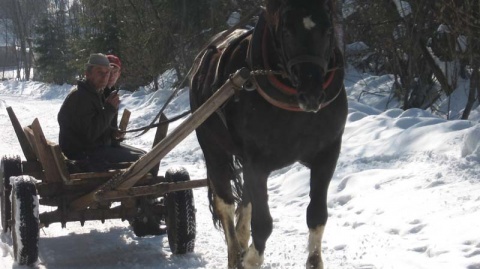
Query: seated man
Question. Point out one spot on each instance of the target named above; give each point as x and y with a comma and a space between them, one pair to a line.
87, 119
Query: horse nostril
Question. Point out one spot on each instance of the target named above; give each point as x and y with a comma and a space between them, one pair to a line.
311, 103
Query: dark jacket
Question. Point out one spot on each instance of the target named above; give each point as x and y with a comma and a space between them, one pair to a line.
85, 121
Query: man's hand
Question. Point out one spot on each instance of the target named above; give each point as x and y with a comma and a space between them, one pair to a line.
113, 99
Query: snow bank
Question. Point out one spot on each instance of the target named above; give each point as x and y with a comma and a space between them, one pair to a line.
471, 143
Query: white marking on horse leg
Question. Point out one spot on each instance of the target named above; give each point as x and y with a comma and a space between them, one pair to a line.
226, 214
243, 225
252, 259
315, 248
308, 23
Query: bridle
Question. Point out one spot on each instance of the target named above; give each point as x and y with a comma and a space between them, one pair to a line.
299, 59
276, 86
289, 63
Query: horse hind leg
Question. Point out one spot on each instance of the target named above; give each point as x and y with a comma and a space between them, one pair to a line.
220, 170
244, 217
238, 238
224, 207
226, 213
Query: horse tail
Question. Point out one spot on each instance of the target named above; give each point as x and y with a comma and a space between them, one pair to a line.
236, 185
237, 179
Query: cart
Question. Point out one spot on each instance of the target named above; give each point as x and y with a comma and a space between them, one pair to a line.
152, 204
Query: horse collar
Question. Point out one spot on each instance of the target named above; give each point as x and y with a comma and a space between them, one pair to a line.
277, 91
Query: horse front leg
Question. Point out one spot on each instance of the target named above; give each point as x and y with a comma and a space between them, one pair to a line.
321, 172
255, 186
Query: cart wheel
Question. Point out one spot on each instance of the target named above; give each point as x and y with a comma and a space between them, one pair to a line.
181, 224
25, 232
147, 222
11, 166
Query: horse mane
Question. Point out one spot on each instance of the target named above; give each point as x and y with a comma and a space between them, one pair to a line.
337, 20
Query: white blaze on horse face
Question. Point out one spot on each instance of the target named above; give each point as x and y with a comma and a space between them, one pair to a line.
308, 23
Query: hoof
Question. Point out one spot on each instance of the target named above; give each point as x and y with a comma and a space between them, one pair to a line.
252, 259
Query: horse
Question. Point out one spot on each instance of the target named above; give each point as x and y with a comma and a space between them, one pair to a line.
292, 109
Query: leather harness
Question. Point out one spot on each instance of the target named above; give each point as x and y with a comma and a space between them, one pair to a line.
278, 91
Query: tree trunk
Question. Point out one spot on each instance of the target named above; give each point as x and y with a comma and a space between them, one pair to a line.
442, 79
22, 36
471, 94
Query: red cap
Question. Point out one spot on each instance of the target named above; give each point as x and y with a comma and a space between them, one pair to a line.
114, 60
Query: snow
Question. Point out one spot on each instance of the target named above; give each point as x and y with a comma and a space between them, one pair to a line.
404, 9
406, 192
348, 8
11, 73
233, 19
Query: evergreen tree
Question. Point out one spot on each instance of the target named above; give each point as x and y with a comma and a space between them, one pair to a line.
52, 64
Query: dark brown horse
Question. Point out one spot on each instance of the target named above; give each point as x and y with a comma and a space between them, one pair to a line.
292, 110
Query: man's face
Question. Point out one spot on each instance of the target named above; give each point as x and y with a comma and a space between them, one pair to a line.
114, 75
98, 77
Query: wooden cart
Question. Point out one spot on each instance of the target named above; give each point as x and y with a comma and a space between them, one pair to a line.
152, 204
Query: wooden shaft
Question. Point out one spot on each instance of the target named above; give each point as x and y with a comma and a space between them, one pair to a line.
157, 190
47, 218
22, 138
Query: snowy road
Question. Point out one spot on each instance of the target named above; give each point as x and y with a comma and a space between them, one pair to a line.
402, 197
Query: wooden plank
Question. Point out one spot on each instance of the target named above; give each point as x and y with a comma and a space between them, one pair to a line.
93, 174
125, 119
60, 163
31, 139
144, 164
44, 154
160, 134
22, 138
156, 190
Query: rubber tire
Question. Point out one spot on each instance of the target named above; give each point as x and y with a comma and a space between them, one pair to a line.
181, 221
25, 214
10, 166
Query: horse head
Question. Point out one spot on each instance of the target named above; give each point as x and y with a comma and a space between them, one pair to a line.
304, 38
